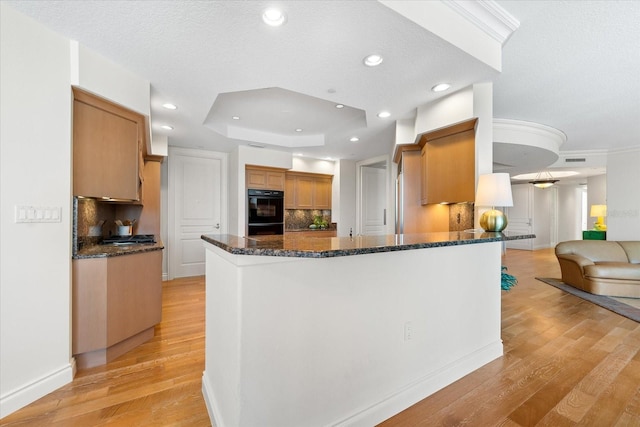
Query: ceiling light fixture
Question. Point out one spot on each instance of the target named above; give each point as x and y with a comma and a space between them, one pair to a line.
170, 106
354, 139
541, 181
339, 106
236, 117
273, 17
299, 130
167, 127
441, 87
384, 114
372, 60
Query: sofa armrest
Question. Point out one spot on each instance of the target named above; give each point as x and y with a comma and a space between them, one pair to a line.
577, 259
572, 269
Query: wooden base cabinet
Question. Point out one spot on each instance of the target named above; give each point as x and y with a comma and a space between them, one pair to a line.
116, 302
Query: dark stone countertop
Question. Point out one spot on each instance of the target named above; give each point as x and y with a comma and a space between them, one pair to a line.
111, 250
288, 245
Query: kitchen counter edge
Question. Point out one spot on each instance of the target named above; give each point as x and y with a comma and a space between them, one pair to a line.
105, 251
328, 247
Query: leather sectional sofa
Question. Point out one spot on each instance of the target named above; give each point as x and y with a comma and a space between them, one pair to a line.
601, 267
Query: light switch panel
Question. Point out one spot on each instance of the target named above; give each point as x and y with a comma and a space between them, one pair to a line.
38, 214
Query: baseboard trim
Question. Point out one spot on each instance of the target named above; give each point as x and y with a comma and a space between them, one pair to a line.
210, 403
21, 397
414, 392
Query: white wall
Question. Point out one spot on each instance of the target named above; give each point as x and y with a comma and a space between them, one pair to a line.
35, 259
623, 195
344, 197
238, 160
543, 202
596, 195
105, 78
569, 206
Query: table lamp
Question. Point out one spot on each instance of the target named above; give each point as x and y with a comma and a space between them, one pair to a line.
494, 189
599, 211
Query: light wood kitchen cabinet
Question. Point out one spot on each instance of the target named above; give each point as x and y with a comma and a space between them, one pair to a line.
307, 191
323, 193
260, 178
448, 165
107, 149
116, 301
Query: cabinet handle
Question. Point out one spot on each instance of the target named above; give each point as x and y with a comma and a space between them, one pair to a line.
218, 226
384, 217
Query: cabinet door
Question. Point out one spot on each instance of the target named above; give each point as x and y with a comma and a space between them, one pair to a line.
322, 193
259, 179
304, 192
424, 176
275, 180
105, 153
290, 193
256, 179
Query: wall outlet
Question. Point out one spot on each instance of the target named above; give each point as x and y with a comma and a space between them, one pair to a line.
408, 331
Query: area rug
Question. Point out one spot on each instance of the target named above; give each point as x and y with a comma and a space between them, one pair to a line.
616, 305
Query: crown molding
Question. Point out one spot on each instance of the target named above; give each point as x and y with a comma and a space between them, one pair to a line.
488, 16
548, 133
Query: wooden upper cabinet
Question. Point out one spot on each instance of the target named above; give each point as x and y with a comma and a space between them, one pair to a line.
259, 178
448, 165
107, 140
289, 192
307, 191
304, 192
323, 193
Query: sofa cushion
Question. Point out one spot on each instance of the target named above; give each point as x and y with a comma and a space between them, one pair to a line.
613, 270
595, 250
632, 248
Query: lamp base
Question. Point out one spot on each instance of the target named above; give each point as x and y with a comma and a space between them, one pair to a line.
493, 220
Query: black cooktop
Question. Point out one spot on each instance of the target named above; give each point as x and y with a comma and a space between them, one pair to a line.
129, 240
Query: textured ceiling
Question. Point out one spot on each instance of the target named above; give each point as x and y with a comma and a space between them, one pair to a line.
571, 65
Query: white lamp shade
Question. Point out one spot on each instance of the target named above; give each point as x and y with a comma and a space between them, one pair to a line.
598, 210
494, 189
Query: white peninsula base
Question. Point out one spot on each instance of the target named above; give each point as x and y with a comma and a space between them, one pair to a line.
347, 340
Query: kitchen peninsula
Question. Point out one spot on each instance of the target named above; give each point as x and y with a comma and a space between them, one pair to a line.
345, 331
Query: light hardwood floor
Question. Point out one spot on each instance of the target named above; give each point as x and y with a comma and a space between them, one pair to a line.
567, 362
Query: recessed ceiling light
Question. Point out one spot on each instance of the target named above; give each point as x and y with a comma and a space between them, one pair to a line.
273, 17
299, 130
384, 114
339, 106
354, 139
236, 117
170, 106
167, 127
372, 60
441, 87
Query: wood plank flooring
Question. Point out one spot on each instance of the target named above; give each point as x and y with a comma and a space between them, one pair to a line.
567, 362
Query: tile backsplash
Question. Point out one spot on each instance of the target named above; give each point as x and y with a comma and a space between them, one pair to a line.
298, 219
461, 216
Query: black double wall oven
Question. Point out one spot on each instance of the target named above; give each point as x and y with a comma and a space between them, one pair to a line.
265, 212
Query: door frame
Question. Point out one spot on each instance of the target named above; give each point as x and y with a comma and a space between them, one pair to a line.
171, 198
389, 195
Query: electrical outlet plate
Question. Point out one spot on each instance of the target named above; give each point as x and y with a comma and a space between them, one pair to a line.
38, 214
408, 331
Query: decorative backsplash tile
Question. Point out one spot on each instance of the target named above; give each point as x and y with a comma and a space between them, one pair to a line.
298, 219
461, 216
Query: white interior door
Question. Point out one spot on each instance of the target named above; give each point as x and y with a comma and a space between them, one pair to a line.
197, 200
520, 216
374, 200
